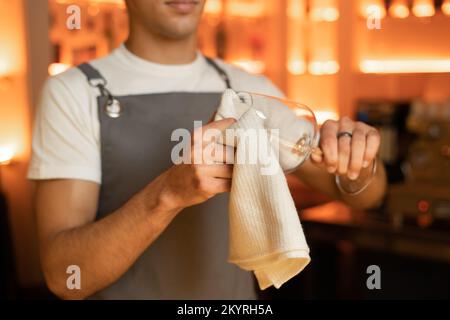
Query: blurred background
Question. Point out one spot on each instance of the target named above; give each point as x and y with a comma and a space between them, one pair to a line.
383, 62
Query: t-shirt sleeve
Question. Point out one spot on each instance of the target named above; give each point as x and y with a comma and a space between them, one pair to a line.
64, 143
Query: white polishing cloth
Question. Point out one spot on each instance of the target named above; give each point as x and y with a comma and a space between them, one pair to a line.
266, 236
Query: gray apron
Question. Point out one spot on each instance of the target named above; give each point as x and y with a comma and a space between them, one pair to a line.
189, 259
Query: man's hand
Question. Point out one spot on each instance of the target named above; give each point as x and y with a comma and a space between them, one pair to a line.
207, 174
347, 154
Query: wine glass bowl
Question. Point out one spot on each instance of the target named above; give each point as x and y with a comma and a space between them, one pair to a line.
358, 185
295, 125
298, 136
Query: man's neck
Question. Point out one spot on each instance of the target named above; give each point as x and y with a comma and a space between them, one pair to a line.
159, 49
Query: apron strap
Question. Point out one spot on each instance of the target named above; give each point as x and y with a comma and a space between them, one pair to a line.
93, 75
112, 106
95, 79
220, 71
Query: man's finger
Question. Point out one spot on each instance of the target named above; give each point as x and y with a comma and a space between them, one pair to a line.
219, 185
372, 146
223, 153
344, 145
328, 144
212, 131
217, 170
357, 153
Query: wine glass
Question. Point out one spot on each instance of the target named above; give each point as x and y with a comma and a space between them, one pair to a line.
298, 136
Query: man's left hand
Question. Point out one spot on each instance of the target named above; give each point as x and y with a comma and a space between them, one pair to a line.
347, 146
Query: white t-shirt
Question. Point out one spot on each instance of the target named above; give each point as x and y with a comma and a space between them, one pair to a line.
66, 138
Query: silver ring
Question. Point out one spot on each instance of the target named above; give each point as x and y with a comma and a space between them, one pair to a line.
344, 134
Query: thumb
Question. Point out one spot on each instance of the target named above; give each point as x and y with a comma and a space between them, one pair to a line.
212, 117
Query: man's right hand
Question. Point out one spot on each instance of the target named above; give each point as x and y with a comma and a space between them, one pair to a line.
207, 174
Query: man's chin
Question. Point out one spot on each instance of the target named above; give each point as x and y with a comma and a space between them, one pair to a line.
180, 31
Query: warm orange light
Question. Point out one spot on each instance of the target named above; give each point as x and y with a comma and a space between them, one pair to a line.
14, 108
423, 8
405, 66
238, 8
4, 67
57, 68
213, 7
446, 7
324, 10
423, 205
399, 9
323, 67
324, 115
373, 9
5, 83
248, 9
296, 66
424, 220
93, 10
252, 66
296, 9
6, 155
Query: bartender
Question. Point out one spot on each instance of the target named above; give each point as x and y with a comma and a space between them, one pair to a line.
110, 201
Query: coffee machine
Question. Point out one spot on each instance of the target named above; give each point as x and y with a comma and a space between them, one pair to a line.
424, 196
415, 148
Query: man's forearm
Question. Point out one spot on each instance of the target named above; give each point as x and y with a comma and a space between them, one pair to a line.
105, 249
